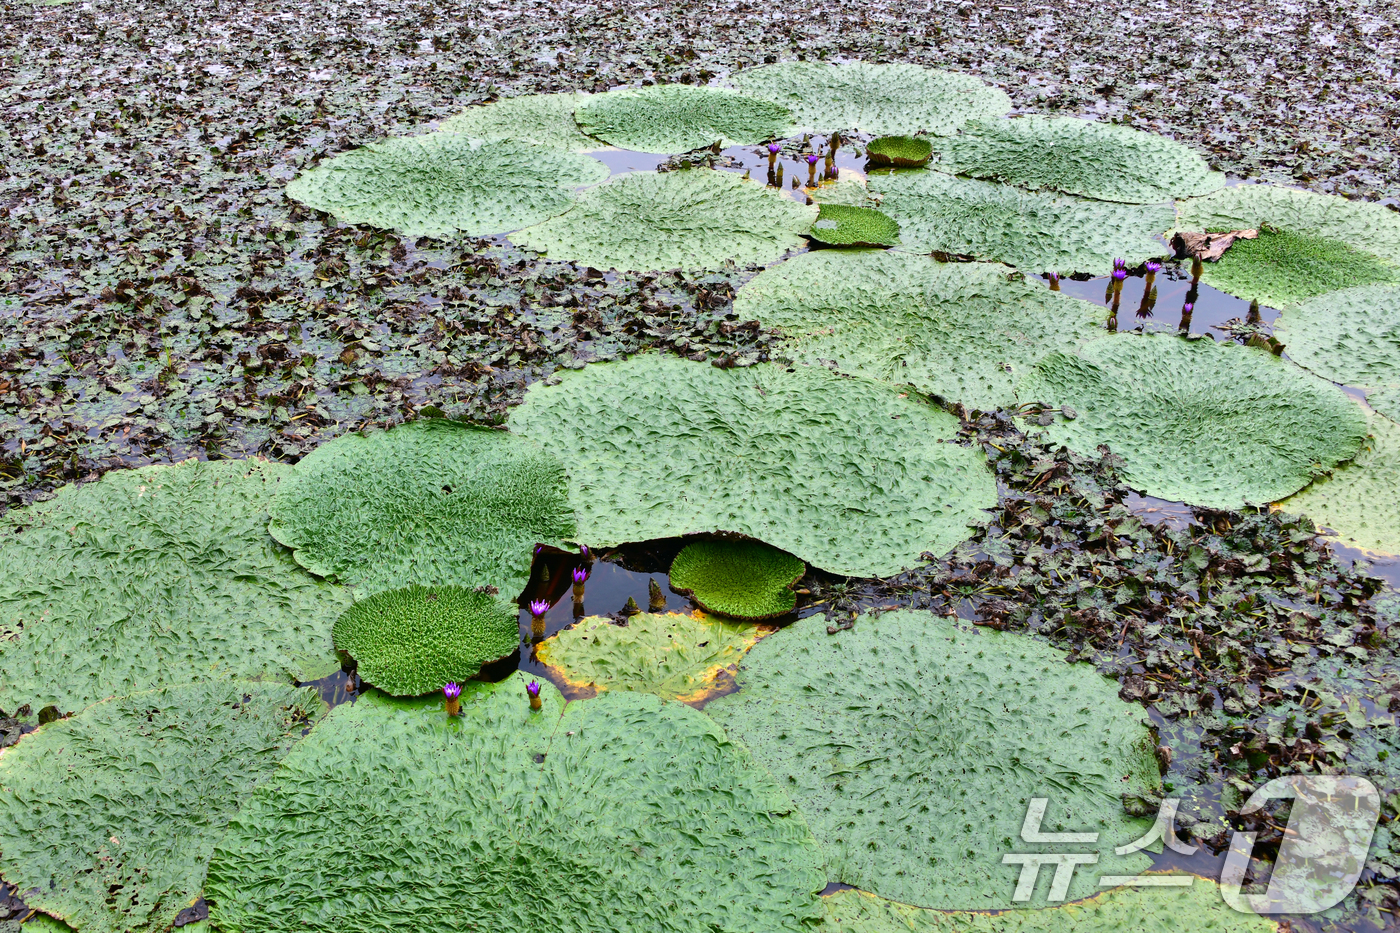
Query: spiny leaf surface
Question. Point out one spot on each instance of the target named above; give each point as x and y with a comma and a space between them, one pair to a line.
674, 118
1281, 268
739, 579
1361, 500
1350, 336
546, 119
843, 225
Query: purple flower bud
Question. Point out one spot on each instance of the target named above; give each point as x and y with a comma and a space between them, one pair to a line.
812, 159
1120, 274
584, 552
451, 691
1153, 266
1188, 308
533, 689
1054, 277
538, 548
539, 607
774, 148
580, 574
1120, 264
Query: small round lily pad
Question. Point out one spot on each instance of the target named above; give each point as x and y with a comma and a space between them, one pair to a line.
739, 579
900, 151
410, 642
842, 225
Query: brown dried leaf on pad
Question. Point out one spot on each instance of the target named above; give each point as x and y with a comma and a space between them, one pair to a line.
1208, 246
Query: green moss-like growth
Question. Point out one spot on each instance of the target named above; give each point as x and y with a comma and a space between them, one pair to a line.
739, 579
679, 118
1282, 268
841, 225
410, 642
900, 151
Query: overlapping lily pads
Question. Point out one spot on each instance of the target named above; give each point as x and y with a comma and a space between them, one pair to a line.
108, 819
547, 119
844, 225
691, 220
1361, 500
739, 579
1211, 424
151, 577
1097, 160
622, 813
1352, 337
964, 331
913, 749
882, 100
432, 502
1033, 231
676, 656
1281, 268
679, 118
900, 151
443, 183
847, 474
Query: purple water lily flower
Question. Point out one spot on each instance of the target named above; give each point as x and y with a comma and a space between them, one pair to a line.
539, 607
580, 575
774, 148
1120, 274
812, 159
1153, 267
534, 690
451, 691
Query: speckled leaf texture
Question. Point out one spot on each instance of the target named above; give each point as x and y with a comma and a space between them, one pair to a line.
876, 99
679, 118
619, 814
676, 656
913, 747
1096, 160
1372, 228
412, 641
739, 579
1281, 268
963, 331
156, 576
108, 819
846, 474
432, 502
1033, 231
1361, 500
844, 190
547, 119
1211, 424
844, 225
1350, 336
444, 183
1386, 400
1199, 908
693, 220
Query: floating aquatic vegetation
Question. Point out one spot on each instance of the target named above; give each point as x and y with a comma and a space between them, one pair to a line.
913, 747
108, 819
1280, 268
679, 118
1032, 231
1352, 337
1211, 424
847, 474
844, 190
963, 331
676, 656
899, 151
546, 119
693, 220
622, 813
878, 99
739, 579
432, 502
1358, 500
151, 577
410, 642
1096, 160
841, 225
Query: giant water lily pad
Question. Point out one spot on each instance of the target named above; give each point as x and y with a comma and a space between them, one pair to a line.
614, 815
1361, 500
1352, 337
412, 641
847, 474
1097, 160
739, 579
444, 183
964, 331
914, 747
693, 220
432, 502
678, 118
108, 819
677, 656
547, 119
151, 577
900, 151
844, 225
1035, 232
1213, 424
1371, 228
877, 99
1281, 268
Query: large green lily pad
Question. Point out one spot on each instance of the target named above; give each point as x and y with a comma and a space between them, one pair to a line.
151, 577
676, 656
679, 118
443, 183
844, 225
108, 819
1281, 268
1097, 160
963, 331
1213, 424
1033, 231
846, 474
547, 119
1386, 400
1352, 337
877, 99
432, 502
693, 220
1371, 228
1361, 500
739, 579
621, 813
412, 641
913, 748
